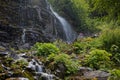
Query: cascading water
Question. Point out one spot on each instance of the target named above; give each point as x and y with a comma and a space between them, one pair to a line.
39, 14
23, 35
38, 67
70, 34
39, 11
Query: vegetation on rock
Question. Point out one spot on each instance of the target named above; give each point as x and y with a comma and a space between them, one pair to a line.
45, 49
97, 48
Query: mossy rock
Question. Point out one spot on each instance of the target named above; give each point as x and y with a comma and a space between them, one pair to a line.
1, 68
2, 48
28, 75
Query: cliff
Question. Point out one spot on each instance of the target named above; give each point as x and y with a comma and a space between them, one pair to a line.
26, 21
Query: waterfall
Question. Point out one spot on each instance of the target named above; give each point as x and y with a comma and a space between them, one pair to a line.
70, 34
38, 11
39, 16
23, 35
38, 67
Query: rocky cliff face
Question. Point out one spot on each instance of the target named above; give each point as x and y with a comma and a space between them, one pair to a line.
27, 21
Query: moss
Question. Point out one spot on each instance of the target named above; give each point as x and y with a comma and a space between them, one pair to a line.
1, 68
28, 75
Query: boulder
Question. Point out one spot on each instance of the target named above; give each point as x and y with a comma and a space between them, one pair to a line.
99, 75
19, 78
2, 48
2, 54
83, 70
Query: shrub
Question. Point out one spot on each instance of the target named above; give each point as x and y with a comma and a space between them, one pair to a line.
98, 59
115, 74
110, 40
86, 44
115, 54
45, 49
80, 47
19, 64
63, 46
110, 37
71, 65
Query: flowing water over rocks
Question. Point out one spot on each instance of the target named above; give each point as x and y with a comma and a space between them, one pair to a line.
13, 67
23, 23
30, 21
69, 34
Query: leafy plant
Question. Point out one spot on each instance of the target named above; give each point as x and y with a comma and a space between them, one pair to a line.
45, 49
64, 47
71, 65
98, 59
85, 45
109, 38
19, 64
115, 74
115, 54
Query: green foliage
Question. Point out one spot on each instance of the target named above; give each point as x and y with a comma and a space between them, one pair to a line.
77, 11
110, 37
107, 8
64, 47
115, 54
71, 65
28, 75
115, 74
86, 44
19, 64
45, 49
1, 68
98, 59
80, 9
61, 5
81, 13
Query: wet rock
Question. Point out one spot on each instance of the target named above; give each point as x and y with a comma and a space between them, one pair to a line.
32, 15
19, 78
9, 33
86, 73
2, 48
34, 65
61, 70
100, 75
25, 46
1, 68
2, 54
45, 76
2, 76
14, 56
3, 51
83, 70
35, 16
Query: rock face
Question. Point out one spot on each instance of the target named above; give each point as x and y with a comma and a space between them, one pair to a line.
28, 21
86, 73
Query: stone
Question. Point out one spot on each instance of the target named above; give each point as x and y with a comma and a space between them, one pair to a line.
25, 46
61, 70
34, 16
14, 56
2, 48
100, 75
83, 70
19, 78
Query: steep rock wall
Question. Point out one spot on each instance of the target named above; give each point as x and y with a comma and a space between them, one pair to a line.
32, 15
